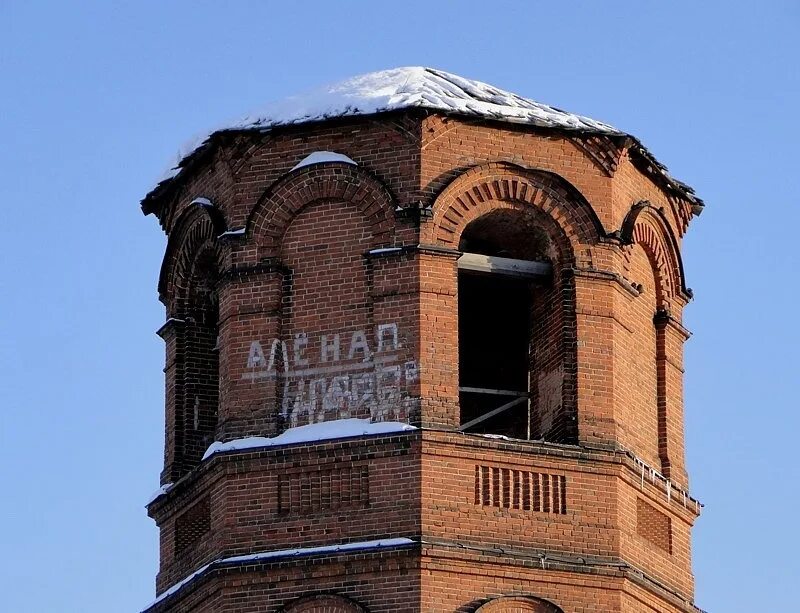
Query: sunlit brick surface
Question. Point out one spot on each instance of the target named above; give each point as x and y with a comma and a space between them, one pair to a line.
339, 299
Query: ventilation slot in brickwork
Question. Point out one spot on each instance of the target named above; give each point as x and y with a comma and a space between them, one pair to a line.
653, 525
323, 490
520, 489
192, 525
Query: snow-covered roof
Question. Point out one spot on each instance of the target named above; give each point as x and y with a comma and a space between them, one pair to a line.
415, 87
408, 88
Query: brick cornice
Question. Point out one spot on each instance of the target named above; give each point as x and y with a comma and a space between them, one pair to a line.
585, 456
549, 561
230, 566
215, 466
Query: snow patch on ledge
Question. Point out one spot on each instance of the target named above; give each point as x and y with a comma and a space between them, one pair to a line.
309, 551
298, 552
205, 202
340, 428
383, 250
159, 492
237, 232
502, 437
318, 157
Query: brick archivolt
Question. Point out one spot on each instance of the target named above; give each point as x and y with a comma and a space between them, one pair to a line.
336, 181
194, 235
323, 603
518, 604
501, 185
646, 227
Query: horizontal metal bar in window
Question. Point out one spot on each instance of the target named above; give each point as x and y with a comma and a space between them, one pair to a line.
487, 390
478, 262
497, 411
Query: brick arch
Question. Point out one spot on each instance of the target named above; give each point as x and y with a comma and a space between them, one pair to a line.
194, 234
327, 181
188, 285
497, 185
324, 603
219, 181
567, 221
518, 604
646, 226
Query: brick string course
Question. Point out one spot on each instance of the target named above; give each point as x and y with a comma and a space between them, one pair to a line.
572, 522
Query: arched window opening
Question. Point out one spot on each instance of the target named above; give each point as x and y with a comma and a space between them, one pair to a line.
198, 417
503, 274
518, 604
324, 603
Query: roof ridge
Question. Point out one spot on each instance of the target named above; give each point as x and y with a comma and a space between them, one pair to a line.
404, 88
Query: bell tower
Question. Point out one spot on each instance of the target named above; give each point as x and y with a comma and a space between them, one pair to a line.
424, 352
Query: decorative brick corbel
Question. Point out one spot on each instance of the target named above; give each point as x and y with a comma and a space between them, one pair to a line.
664, 318
416, 212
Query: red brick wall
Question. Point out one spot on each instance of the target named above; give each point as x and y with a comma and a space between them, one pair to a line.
378, 583
596, 516
635, 389
606, 372
348, 491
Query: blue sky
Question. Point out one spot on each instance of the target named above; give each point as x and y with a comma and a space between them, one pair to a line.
98, 96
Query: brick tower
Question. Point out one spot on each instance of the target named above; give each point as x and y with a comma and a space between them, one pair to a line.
423, 353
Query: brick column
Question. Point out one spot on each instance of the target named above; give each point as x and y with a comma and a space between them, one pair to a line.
250, 306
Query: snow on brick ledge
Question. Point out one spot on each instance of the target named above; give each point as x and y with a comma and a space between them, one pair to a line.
324, 156
340, 428
159, 492
284, 553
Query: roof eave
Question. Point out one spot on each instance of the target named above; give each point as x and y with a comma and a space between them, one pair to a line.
648, 163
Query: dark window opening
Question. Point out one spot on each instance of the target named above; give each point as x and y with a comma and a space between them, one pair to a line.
494, 336
504, 263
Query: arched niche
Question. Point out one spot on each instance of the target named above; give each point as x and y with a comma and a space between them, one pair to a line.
329, 181
518, 604
189, 285
323, 603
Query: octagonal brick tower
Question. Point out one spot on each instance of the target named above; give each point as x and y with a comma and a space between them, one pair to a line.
423, 353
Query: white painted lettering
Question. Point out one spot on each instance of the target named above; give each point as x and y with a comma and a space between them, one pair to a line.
359, 343
391, 329
300, 342
255, 359
359, 380
337, 397
329, 351
363, 389
273, 355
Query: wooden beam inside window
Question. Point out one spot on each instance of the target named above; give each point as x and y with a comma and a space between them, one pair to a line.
476, 262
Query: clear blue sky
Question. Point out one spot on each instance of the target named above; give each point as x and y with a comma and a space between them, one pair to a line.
97, 97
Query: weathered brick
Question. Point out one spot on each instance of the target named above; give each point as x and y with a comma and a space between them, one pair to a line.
342, 283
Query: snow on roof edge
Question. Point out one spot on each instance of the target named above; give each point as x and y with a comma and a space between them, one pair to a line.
402, 89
